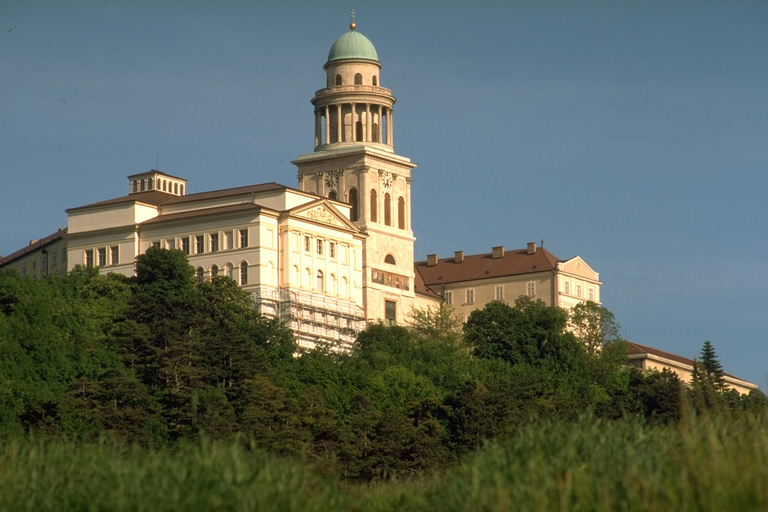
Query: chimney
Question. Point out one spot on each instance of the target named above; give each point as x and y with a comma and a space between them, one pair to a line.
458, 256
431, 260
498, 252
531, 247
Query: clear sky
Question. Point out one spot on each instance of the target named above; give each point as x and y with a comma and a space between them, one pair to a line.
631, 133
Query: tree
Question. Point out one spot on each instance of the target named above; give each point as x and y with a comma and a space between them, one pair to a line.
710, 367
593, 324
436, 323
530, 332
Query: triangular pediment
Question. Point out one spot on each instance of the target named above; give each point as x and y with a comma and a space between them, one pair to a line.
577, 266
323, 212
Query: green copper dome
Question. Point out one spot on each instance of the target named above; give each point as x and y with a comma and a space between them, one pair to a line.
353, 45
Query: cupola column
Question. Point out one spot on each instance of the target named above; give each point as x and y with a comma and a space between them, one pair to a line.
327, 126
367, 122
318, 131
390, 129
338, 123
353, 122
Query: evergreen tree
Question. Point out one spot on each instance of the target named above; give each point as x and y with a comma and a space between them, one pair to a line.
712, 369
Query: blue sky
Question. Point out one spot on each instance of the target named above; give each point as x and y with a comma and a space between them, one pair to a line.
631, 133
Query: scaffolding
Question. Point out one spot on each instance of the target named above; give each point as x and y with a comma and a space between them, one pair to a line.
313, 317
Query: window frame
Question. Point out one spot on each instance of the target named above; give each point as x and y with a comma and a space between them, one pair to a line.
390, 312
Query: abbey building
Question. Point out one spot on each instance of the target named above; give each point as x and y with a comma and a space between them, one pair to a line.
328, 256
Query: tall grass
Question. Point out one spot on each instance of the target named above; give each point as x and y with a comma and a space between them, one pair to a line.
706, 464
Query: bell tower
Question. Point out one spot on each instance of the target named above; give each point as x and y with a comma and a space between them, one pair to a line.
354, 161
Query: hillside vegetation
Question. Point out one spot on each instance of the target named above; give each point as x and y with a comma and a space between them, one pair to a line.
114, 388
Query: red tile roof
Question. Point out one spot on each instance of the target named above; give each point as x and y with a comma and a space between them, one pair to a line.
33, 247
485, 266
636, 349
156, 198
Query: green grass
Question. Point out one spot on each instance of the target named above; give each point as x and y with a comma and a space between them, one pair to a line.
706, 464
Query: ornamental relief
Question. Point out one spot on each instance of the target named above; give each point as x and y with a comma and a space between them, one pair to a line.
322, 215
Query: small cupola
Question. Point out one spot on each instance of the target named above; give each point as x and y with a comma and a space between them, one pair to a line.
157, 181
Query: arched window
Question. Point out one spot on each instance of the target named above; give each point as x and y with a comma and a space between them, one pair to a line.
387, 210
230, 271
319, 285
151, 183
200, 274
176, 188
135, 185
373, 206
181, 190
214, 271
389, 259
375, 132
165, 186
338, 79
309, 278
332, 290
375, 80
244, 273
401, 213
143, 184
332, 195
353, 214
358, 79
296, 276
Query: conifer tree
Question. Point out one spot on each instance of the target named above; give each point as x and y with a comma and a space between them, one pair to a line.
713, 370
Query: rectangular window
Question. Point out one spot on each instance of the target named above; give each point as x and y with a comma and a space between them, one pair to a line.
199, 245
578, 290
170, 243
243, 274
244, 238
34, 265
332, 250
88, 258
102, 256
155, 244
320, 247
448, 298
567, 287
307, 244
228, 241
114, 255
591, 294
63, 254
53, 258
390, 312
530, 289
185, 245
499, 292
214, 242
469, 296
343, 249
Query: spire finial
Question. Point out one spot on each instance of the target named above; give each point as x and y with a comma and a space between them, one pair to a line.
352, 24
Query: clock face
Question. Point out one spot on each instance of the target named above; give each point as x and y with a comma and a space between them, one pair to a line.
332, 179
387, 180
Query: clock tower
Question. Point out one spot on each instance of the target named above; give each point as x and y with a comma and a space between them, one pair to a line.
354, 162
